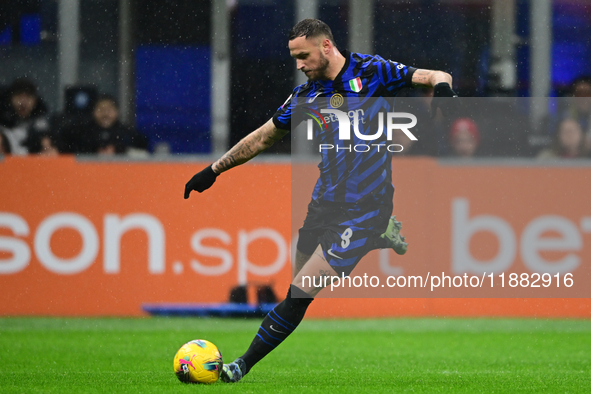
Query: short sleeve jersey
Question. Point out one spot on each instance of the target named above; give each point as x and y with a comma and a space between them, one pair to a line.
347, 177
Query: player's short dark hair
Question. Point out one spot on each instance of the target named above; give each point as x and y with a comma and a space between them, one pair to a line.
311, 28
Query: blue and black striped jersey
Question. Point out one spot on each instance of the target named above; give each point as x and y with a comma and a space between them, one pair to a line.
347, 176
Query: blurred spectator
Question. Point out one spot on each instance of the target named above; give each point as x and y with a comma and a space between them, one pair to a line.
24, 116
4, 145
569, 141
103, 134
464, 138
47, 146
577, 107
581, 110
79, 103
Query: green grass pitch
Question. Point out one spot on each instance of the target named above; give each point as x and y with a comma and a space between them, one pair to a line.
103, 355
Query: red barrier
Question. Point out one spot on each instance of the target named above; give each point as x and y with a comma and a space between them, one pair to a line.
103, 238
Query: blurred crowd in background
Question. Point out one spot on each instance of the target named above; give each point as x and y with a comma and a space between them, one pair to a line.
90, 124
499, 127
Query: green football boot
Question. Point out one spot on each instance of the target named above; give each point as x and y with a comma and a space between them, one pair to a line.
392, 236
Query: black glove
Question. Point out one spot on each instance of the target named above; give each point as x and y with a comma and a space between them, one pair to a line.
200, 181
441, 93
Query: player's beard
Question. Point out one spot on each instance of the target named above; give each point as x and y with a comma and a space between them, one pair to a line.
320, 72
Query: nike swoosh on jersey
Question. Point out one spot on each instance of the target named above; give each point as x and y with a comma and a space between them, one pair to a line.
314, 98
330, 252
280, 332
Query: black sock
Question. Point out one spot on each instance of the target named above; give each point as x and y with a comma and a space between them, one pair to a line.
277, 325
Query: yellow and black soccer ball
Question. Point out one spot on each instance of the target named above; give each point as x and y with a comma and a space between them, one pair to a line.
198, 361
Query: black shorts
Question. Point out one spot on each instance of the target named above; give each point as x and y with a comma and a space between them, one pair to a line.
346, 232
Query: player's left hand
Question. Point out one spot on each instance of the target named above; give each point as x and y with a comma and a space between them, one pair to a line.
200, 181
445, 99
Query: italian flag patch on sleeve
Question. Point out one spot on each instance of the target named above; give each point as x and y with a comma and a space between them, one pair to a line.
355, 84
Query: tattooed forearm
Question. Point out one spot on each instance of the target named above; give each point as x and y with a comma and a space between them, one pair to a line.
430, 78
242, 152
421, 77
250, 146
226, 162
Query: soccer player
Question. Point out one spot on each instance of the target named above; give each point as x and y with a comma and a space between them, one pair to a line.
349, 214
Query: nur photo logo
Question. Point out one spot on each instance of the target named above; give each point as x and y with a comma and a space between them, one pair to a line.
360, 122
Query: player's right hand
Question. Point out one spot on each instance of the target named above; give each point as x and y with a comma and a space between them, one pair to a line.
200, 181
446, 100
